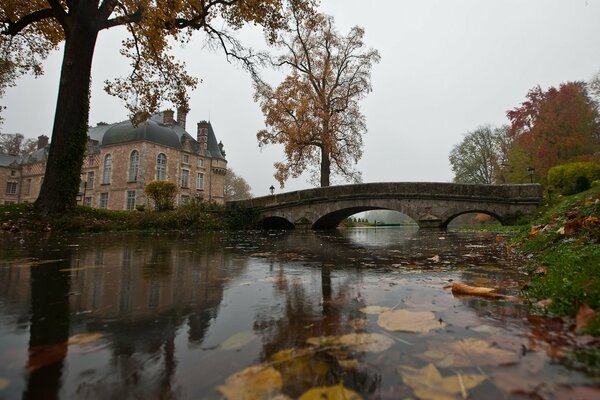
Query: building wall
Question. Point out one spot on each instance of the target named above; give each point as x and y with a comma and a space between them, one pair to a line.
12, 175
30, 176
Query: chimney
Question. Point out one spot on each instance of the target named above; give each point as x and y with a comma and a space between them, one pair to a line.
202, 135
168, 117
181, 117
42, 142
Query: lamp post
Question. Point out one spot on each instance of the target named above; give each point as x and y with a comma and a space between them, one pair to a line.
530, 171
272, 190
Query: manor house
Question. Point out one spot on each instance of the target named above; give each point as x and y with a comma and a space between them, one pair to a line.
122, 158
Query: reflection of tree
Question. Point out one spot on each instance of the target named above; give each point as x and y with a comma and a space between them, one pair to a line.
49, 326
305, 313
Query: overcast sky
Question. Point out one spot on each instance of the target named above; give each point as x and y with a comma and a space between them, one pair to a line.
447, 67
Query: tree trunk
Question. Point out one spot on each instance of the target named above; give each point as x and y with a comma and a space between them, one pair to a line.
69, 133
325, 167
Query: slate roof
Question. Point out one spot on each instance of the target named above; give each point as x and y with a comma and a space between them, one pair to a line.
153, 130
6, 160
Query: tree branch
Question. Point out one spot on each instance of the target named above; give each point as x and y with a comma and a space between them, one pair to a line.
16, 27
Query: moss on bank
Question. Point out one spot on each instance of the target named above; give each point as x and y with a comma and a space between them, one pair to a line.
564, 244
22, 218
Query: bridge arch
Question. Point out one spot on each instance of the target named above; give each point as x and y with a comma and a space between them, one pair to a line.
431, 205
492, 214
276, 223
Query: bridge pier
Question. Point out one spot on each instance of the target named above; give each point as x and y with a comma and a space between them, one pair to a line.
430, 221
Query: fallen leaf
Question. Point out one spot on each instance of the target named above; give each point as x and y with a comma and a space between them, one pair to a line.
330, 393
41, 356
350, 364
469, 352
576, 392
435, 258
252, 383
461, 288
238, 340
301, 367
374, 309
85, 338
585, 315
4, 383
428, 383
367, 342
409, 321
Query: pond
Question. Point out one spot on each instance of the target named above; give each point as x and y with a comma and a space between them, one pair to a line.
359, 312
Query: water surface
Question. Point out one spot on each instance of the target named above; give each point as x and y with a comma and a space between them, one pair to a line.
173, 316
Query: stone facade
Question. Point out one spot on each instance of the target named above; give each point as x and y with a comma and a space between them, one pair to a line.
122, 158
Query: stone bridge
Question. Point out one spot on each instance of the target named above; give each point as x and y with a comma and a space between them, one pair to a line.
430, 205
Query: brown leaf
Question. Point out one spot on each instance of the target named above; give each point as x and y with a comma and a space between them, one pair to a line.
409, 321
252, 383
330, 393
41, 356
585, 315
428, 383
461, 288
4, 383
469, 352
367, 342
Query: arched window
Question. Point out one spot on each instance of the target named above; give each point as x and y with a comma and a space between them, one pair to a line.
134, 163
161, 167
107, 169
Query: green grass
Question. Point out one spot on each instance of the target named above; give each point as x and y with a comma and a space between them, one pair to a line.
564, 241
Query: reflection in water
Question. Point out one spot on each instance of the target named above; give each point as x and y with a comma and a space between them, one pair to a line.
147, 316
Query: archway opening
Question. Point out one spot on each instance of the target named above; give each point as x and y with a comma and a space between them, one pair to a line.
277, 223
473, 219
363, 217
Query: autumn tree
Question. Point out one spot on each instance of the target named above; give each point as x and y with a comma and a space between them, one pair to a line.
480, 156
31, 29
553, 127
16, 144
314, 112
236, 187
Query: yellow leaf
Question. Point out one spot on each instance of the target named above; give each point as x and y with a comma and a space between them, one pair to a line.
4, 383
301, 367
253, 383
428, 383
409, 321
470, 352
85, 338
359, 324
368, 342
337, 392
374, 309
238, 340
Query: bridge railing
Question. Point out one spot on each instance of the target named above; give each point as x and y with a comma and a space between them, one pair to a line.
526, 193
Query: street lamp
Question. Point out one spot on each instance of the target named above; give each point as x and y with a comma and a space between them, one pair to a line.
272, 190
530, 171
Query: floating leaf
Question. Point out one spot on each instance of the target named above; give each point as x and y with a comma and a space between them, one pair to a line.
301, 367
428, 384
252, 383
461, 288
374, 309
470, 352
330, 393
85, 338
238, 340
367, 342
4, 383
41, 356
409, 321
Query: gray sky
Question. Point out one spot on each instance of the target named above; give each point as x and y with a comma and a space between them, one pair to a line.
447, 67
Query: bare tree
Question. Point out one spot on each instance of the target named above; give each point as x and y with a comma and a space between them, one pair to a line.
236, 187
15, 144
314, 113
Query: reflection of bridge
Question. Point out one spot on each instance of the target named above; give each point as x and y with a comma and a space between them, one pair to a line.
430, 205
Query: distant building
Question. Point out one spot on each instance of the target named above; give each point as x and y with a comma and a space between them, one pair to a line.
121, 159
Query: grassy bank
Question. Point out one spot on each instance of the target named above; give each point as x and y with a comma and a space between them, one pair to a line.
21, 218
564, 245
